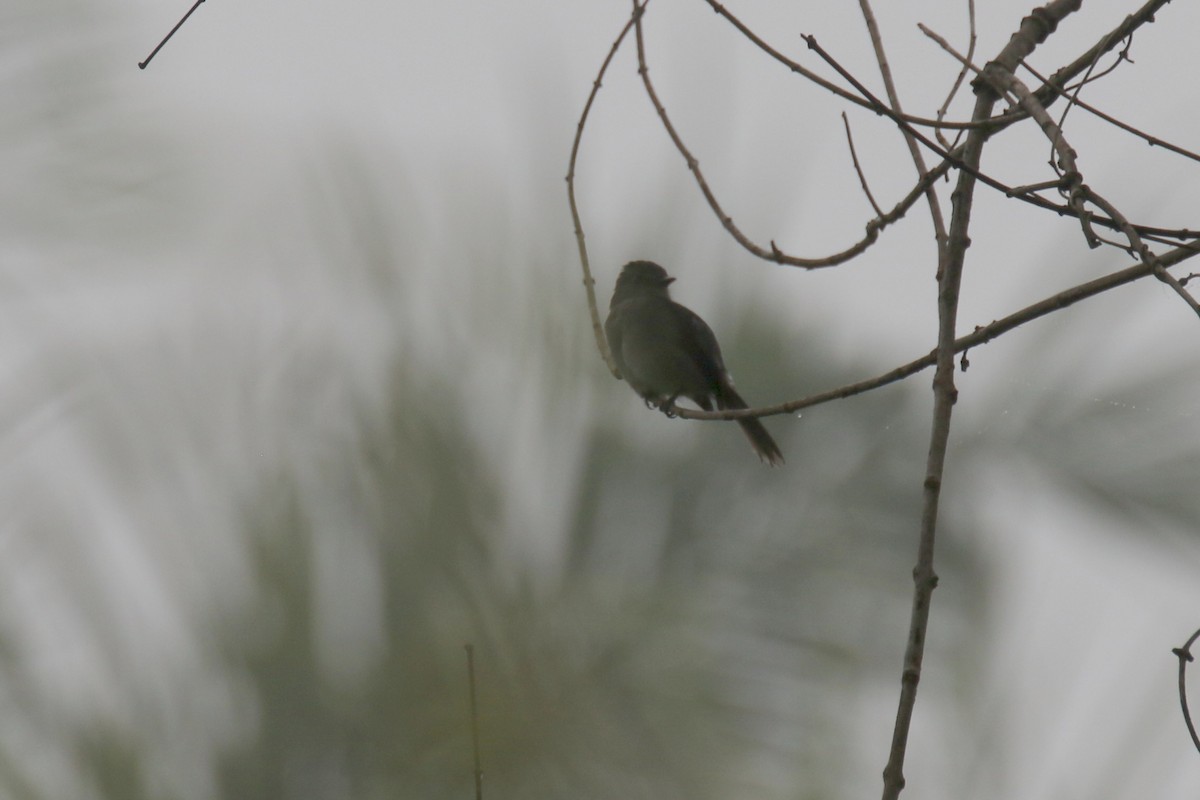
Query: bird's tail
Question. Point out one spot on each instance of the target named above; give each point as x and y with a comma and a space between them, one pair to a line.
755, 431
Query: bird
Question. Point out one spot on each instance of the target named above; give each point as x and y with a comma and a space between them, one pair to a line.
665, 351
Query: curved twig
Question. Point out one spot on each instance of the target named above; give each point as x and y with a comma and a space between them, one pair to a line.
774, 253
589, 283
972, 40
1185, 657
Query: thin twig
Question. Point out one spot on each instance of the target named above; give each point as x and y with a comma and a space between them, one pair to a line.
589, 283
1185, 657
1140, 251
953, 156
964, 61
1052, 89
862, 179
693, 164
962, 74
1073, 96
474, 721
1030, 188
178, 25
829, 86
1153, 141
1122, 57
918, 158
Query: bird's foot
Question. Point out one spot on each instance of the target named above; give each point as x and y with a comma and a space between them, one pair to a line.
667, 406
664, 404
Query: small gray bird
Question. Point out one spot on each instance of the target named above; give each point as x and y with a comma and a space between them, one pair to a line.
665, 351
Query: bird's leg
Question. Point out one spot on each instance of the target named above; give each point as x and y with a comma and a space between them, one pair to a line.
667, 406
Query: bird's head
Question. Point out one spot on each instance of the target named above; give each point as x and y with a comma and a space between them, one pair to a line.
642, 277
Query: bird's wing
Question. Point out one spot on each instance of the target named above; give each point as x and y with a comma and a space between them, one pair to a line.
703, 346
612, 332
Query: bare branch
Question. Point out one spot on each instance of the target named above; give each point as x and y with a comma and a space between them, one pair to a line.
980, 336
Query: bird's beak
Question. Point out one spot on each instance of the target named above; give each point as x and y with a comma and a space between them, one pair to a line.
668, 281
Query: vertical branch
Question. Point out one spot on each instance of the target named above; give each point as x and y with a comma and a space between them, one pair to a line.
1034, 30
950, 251
474, 721
944, 396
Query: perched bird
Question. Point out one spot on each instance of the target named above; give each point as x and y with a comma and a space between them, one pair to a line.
665, 351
